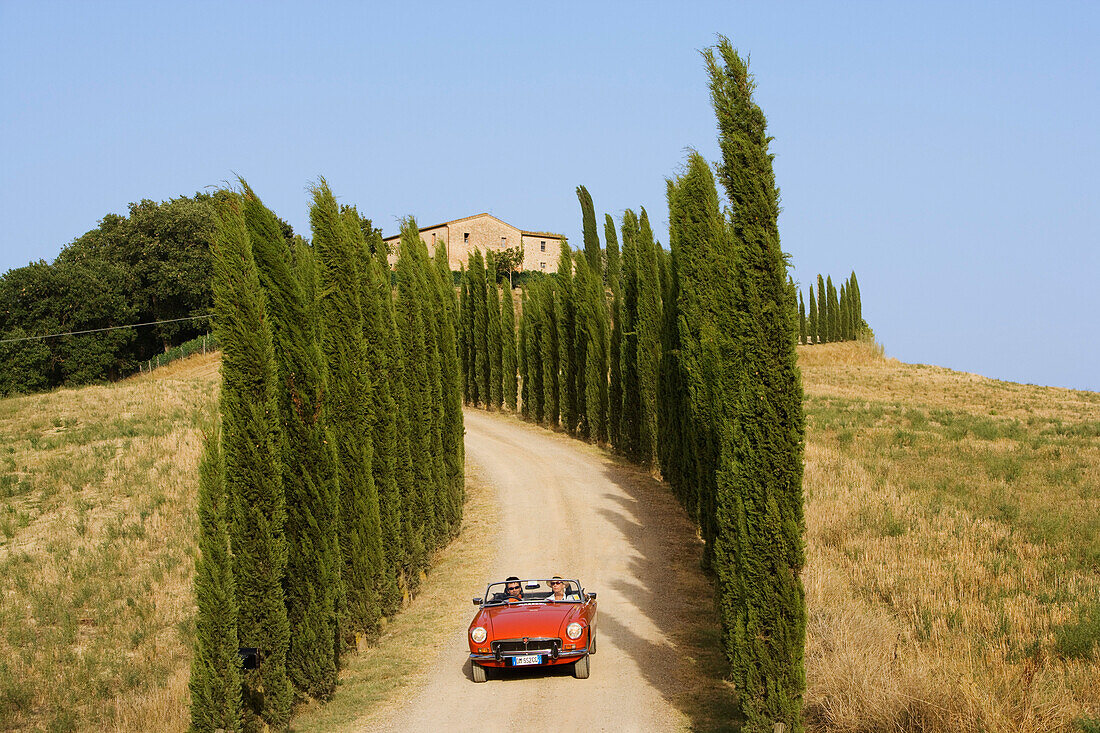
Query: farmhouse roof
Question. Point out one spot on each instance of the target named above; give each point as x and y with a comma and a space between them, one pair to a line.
475, 216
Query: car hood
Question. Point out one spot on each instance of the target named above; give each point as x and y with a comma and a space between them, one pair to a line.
544, 619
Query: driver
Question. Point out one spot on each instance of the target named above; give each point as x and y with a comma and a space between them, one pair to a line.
513, 590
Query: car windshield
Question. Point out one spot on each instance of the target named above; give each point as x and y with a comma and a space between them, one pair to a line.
533, 590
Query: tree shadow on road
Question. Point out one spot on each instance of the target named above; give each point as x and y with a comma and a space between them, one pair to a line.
683, 659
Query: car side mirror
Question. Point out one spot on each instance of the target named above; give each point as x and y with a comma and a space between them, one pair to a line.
477, 601
590, 596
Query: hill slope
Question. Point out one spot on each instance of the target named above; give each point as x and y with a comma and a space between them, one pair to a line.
953, 530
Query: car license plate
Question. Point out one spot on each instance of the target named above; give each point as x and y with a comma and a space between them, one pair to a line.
526, 659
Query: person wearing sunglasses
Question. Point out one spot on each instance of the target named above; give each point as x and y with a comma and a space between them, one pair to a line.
558, 586
513, 590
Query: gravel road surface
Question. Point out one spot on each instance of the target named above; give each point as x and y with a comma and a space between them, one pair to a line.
567, 508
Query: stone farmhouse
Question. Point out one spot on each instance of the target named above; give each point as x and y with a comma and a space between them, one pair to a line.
489, 234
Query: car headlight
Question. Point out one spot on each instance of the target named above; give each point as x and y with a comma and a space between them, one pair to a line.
574, 630
478, 634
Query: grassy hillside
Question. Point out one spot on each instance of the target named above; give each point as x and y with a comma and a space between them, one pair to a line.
97, 504
953, 532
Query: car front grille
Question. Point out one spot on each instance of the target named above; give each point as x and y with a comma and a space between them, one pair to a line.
526, 646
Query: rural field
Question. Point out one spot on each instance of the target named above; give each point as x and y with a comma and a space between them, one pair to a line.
952, 576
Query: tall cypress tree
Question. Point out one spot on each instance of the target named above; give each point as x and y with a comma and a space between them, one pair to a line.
814, 338
759, 548
253, 481
801, 319
463, 333
478, 298
591, 238
649, 339
215, 683
615, 389
566, 315
834, 310
630, 412
521, 359
454, 449
592, 324
822, 311
308, 465
843, 312
550, 350
858, 305
496, 354
532, 317
508, 340
347, 407
412, 550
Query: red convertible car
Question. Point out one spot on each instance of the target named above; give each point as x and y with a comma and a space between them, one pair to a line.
519, 623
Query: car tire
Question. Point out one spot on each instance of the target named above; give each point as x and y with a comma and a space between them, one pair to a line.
480, 673
580, 669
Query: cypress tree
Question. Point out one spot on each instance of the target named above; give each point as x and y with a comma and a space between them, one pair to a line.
702, 258
801, 319
858, 305
548, 342
759, 548
591, 238
308, 465
649, 339
478, 298
615, 390
508, 340
532, 317
496, 353
591, 321
215, 682
814, 338
463, 334
411, 551
521, 359
453, 432
253, 482
822, 311
347, 408
630, 412
834, 310
566, 316
414, 330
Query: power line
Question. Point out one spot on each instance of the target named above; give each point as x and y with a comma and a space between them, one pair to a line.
95, 330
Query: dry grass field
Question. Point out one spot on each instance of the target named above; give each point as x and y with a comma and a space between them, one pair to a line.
953, 534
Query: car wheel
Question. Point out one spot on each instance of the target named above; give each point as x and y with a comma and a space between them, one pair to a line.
480, 674
580, 669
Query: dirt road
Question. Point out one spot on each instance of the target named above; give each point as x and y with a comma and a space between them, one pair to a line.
567, 508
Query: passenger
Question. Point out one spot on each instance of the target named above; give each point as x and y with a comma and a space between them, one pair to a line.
513, 590
558, 586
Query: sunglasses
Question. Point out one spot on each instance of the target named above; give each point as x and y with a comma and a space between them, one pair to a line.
556, 582
513, 587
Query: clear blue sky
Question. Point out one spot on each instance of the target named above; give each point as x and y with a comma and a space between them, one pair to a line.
948, 152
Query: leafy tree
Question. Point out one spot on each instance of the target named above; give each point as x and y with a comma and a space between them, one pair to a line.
649, 339
508, 261
215, 683
307, 463
759, 547
253, 480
